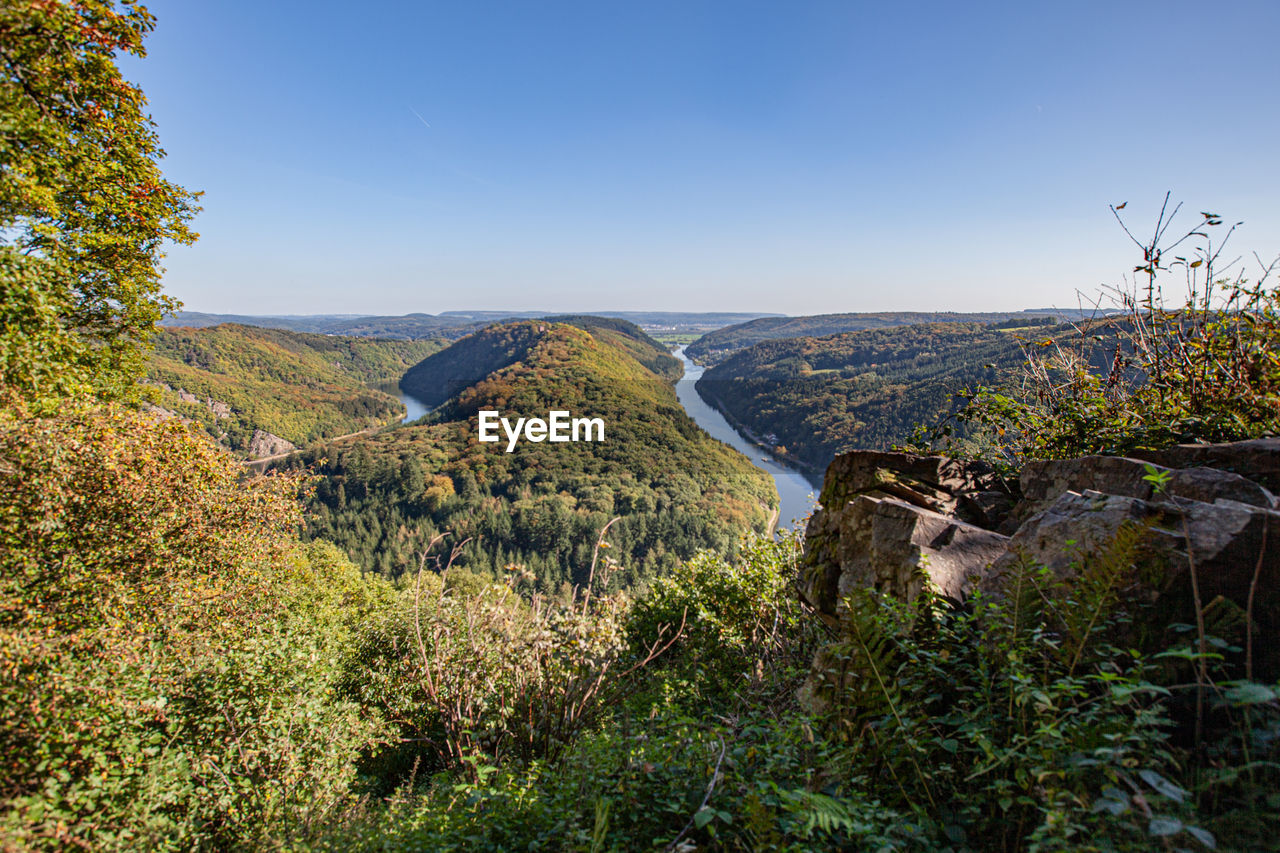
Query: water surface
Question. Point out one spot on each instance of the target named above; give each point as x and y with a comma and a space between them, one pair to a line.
414, 408
795, 491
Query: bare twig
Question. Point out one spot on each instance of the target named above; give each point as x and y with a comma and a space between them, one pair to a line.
715, 777
595, 554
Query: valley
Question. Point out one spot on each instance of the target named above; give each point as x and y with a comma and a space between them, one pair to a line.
483, 577
676, 489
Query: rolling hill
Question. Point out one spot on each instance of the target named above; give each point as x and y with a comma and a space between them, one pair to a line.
817, 397
717, 345
235, 380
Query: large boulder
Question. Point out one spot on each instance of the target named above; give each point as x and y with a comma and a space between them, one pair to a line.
897, 520
969, 491
1258, 459
1042, 482
897, 547
1233, 548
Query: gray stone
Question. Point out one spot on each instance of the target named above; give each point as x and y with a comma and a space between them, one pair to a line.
1257, 459
1234, 551
969, 491
1209, 485
1043, 482
897, 547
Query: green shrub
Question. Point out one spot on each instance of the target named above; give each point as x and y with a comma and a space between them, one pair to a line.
1020, 722
1149, 373
168, 651
744, 629
473, 671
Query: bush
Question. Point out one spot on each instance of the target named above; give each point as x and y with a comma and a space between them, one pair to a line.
744, 629
168, 651
1029, 721
473, 672
1149, 373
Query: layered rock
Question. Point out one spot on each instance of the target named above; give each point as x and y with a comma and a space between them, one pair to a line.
895, 522
1258, 459
964, 493
1043, 481
896, 547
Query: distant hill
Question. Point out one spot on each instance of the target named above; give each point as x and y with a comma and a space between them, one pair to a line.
717, 345
675, 488
294, 322
301, 387
448, 324
649, 319
404, 327
817, 397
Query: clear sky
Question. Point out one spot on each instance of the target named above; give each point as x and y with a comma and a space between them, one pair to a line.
788, 156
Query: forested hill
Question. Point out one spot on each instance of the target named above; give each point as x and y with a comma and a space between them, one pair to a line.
868, 389
444, 374
676, 489
630, 338
233, 380
718, 345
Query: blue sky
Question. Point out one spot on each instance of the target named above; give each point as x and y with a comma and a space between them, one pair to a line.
796, 157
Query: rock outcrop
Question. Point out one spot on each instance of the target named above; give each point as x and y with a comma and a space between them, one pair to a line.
895, 546
1043, 481
1257, 459
895, 522
265, 444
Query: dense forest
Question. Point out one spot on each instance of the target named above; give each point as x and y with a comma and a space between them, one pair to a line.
542, 506
869, 389
233, 380
717, 345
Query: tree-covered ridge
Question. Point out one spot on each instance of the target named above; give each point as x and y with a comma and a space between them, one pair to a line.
543, 505
447, 373
301, 387
868, 389
443, 374
629, 337
718, 345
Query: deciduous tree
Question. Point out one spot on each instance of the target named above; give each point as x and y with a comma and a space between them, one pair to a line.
84, 209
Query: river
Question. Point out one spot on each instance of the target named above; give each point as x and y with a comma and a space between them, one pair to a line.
413, 408
796, 492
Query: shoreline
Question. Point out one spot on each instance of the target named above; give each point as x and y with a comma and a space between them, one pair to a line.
806, 469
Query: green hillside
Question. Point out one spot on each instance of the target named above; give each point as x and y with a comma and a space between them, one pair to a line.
301, 387
676, 489
718, 345
631, 339
868, 389
444, 374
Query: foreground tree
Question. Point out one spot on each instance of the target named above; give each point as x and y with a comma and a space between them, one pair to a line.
84, 209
